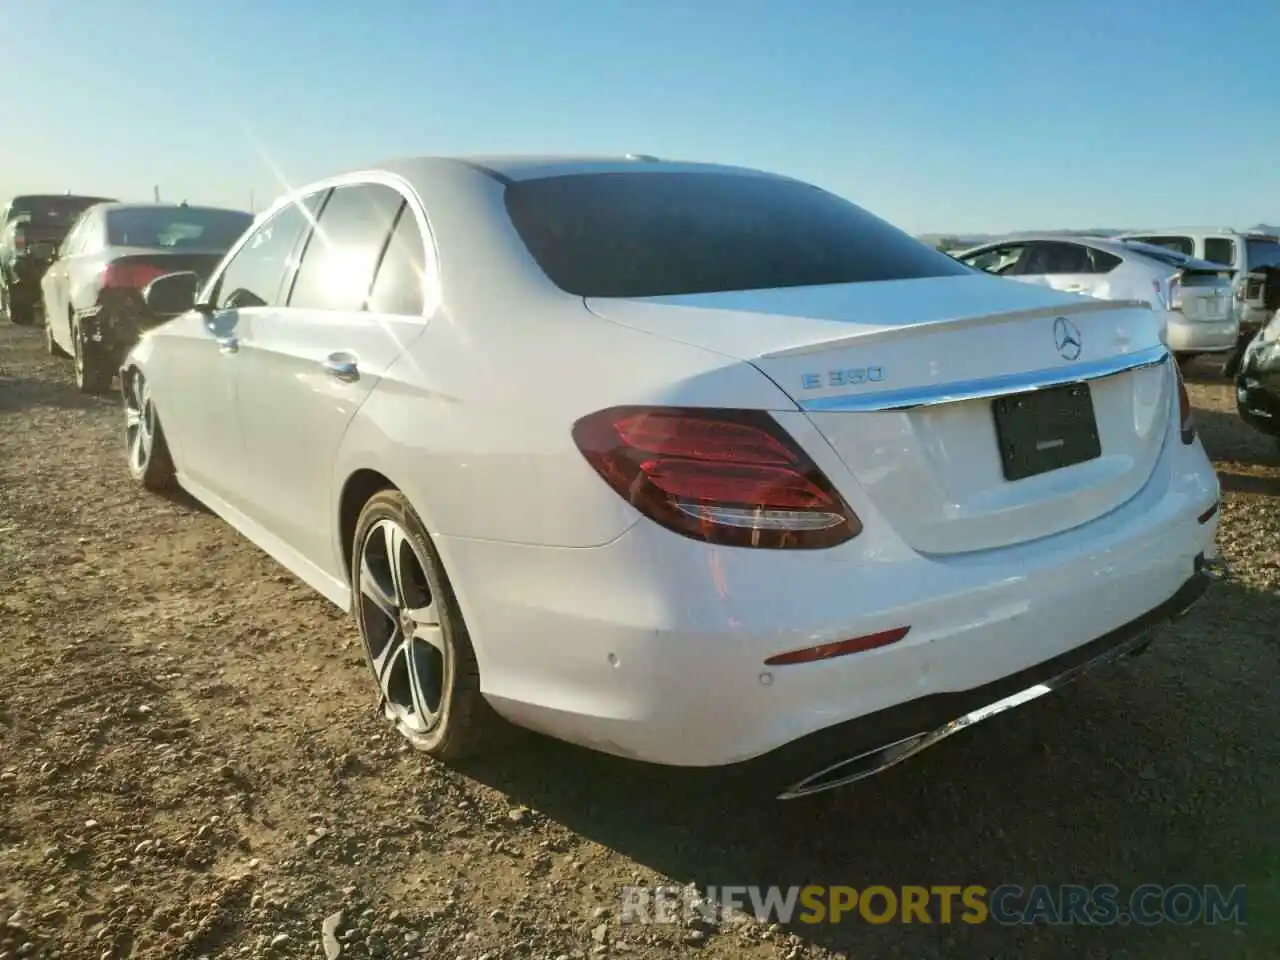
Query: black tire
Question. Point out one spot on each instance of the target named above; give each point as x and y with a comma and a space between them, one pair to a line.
93, 373
150, 463
21, 314
463, 724
50, 345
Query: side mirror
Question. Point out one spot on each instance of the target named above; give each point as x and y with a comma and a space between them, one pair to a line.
172, 294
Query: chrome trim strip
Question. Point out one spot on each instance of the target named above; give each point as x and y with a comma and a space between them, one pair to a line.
987, 387
882, 758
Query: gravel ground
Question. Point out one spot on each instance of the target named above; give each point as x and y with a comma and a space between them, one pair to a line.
190, 764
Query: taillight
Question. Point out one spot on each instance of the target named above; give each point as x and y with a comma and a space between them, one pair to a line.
1175, 292
130, 276
730, 477
1186, 421
19, 239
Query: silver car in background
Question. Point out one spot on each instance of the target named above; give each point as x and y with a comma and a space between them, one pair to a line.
92, 292
1192, 297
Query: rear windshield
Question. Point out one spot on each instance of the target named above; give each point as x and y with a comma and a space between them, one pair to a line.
1263, 253
1163, 254
51, 211
176, 227
662, 234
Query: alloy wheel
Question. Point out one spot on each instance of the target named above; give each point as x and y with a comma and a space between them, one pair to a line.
403, 636
139, 421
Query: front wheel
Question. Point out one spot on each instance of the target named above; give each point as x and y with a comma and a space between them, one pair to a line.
93, 373
149, 461
415, 640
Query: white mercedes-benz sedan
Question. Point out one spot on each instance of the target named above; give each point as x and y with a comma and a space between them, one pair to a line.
691, 464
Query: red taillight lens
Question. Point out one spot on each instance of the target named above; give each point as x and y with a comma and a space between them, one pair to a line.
1186, 420
19, 239
130, 276
730, 477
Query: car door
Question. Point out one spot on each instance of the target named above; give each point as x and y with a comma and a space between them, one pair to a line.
355, 303
53, 285
196, 371
1057, 265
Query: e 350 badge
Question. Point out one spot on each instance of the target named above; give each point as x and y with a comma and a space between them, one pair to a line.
849, 377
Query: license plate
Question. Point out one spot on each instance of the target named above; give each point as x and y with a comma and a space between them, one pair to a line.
1045, 430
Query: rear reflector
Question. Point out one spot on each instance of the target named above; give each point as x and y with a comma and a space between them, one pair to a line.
841, 648
729, 477
1186, 420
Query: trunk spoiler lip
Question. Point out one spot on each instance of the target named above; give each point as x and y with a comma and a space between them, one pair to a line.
987, 388
1086, 306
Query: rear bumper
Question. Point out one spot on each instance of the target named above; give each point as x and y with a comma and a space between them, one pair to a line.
116, 322
24, 284
1188, 336
653, 647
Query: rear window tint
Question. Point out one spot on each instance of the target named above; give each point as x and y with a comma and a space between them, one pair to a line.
1263, 253
664, 234
51, 210
166, 228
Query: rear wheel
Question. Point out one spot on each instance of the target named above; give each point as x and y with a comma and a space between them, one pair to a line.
415, 640
93, 373
149, 461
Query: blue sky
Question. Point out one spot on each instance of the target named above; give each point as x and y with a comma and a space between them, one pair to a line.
975, 116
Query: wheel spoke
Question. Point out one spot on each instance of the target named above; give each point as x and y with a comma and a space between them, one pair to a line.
426, 626
398, 552
424, 684
371, 587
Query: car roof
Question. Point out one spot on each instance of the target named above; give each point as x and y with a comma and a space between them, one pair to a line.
1109, 244
1113, 245
119, 205
1201, 232
515, 167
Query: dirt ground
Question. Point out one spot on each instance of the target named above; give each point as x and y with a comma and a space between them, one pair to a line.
190, 765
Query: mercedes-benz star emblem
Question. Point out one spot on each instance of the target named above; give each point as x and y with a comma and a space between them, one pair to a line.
1066, 338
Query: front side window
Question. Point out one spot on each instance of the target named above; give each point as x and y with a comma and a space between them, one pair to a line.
176, 228
658, 234
997, 260
337, 268
253, 277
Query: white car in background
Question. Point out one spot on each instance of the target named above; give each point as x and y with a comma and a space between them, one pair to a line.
1193, 298
691, 464
1243, 252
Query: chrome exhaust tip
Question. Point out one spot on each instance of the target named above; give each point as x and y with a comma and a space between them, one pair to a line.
857, 768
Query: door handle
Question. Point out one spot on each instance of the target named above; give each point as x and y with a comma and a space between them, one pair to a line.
342, 366
228, 345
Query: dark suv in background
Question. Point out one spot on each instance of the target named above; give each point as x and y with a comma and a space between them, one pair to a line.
31, 227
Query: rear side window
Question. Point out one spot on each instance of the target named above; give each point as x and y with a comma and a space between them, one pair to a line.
662, 234
398, 286
1181, 245
337, 267
1102, 262
1220, 250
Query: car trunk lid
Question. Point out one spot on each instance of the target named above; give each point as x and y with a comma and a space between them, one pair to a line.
974, 412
